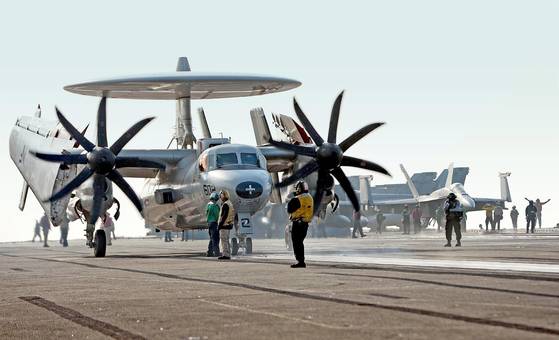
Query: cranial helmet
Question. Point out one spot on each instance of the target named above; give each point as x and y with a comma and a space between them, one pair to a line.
301, 187
214, 196
225, 194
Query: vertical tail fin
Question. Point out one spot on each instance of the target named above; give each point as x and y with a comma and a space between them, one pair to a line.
204, 123
505, 190
260, 126
364, 189
450, 175
410, 183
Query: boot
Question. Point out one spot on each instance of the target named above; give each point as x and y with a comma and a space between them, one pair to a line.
448, 245
299, 265
458, 244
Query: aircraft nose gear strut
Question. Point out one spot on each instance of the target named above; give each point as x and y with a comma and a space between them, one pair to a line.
242, 240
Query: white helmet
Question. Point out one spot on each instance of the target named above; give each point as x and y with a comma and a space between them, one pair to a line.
301, 186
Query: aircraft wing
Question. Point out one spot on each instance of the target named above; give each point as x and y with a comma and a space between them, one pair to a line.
482, 202
168, 157
409, 201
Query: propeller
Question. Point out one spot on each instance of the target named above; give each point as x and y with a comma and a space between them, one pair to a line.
101, 161
328, 157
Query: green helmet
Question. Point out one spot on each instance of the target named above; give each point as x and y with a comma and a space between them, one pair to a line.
214, 196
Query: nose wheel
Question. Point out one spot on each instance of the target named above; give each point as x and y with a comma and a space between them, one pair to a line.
100, 244
244, 243
242, 239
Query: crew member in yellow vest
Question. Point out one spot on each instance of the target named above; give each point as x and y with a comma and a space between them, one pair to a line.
300, 209
225, 224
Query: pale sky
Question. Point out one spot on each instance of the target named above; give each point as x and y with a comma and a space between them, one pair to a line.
472, 82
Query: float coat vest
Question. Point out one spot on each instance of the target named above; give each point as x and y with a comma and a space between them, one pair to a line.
305, 211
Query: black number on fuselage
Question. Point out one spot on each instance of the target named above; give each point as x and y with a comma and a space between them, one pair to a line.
208, 189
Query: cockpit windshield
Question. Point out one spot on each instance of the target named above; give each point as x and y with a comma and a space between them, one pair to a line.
249, 159
231, 157
223, 159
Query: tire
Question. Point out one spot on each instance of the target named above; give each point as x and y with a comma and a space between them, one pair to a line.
248, 250
100, 247
234, 246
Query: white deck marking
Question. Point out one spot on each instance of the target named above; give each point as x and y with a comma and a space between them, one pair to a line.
416, 262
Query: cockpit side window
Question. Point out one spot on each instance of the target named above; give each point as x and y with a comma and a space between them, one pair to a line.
203, 163
249, 159
223, 159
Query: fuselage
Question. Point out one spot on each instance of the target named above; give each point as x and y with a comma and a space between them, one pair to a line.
177, 199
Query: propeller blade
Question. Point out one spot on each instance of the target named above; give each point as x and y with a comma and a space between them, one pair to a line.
334, 118
74, 183
74, 132
298, 149
102, 123
306, 170
61, 158
346, 185
318, 194
117, 178
307, 124
357, 135
129, 134
98, 198
363, 164
134, 162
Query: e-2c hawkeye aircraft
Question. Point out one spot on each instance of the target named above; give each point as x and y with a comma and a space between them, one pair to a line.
57, 162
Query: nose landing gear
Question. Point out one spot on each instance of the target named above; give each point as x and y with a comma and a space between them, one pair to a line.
243, 232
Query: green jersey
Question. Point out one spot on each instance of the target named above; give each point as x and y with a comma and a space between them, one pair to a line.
212, 212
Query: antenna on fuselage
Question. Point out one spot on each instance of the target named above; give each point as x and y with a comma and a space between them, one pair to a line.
183, 131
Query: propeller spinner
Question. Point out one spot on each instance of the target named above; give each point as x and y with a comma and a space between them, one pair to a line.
328, 157
102, 161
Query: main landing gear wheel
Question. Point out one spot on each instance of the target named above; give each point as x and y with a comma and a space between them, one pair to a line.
234, 246
100, 245
248, 246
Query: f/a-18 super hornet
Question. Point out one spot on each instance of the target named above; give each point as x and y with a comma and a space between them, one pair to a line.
431, 197
58, 162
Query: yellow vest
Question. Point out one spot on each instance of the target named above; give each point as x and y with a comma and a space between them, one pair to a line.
231, 213
305, 212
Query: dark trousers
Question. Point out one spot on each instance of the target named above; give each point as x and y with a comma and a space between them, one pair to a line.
416, 226
406, 227
530, 221
357, 228
64, 236
453, 224
498, 222
298, 234
213, 245
489, 220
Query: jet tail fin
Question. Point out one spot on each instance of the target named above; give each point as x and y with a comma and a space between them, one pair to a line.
23, 197
449, 175
364, 189
410, 183
505, 190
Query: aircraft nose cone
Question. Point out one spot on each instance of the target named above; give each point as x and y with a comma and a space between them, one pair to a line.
249, 190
